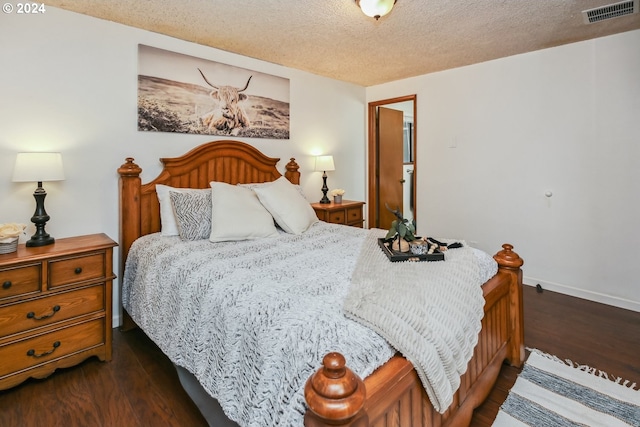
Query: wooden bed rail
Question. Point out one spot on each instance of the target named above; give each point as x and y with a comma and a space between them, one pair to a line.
338, 397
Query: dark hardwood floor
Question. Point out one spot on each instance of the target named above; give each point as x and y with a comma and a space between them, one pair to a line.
139, 387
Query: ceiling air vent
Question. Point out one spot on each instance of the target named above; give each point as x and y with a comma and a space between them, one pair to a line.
610, 11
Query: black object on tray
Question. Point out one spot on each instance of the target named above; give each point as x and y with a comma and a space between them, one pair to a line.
395, 256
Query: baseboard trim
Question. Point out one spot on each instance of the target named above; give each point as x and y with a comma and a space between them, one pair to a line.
116, 321
581, 293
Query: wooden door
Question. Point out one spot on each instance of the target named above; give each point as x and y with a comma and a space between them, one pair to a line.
390, 161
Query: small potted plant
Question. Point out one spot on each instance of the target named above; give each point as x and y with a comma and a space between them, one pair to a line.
402, 231
337, 195
9, 235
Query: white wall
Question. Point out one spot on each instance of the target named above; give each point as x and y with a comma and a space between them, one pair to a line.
68, 83
565, 120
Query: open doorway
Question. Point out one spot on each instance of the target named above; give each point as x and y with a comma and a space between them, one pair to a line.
392, 154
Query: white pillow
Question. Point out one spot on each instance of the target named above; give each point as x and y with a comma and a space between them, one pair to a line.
168, 223
254, 185
237, 214
292, 212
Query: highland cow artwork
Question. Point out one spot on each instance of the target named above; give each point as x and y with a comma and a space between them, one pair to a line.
185, 94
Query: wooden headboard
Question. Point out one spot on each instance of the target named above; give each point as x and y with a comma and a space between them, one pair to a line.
233, 162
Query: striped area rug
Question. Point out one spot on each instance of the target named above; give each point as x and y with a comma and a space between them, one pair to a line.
550, 392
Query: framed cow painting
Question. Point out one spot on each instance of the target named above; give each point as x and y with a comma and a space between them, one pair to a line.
185, 94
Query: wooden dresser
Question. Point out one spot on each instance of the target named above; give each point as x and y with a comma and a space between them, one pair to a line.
349, 212
55, 306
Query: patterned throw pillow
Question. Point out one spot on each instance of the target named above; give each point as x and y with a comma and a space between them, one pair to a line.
193, 214
169, 226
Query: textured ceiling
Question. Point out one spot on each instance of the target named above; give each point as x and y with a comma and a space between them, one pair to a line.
333, 38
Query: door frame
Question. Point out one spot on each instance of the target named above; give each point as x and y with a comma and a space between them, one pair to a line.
372, 149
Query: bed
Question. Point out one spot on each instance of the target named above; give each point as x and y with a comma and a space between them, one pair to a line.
393, 394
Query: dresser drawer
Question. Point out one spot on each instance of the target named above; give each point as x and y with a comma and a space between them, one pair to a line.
44, 311
68, 271
354, 214
40, 349
20, 280
336, 217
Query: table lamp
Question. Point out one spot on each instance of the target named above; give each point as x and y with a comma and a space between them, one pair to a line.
324, 164
39, 167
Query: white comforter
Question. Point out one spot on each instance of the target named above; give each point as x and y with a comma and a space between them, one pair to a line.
252, 320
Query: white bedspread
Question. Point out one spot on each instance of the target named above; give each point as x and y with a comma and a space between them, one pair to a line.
252, 320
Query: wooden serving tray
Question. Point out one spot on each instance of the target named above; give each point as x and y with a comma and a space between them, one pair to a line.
395, 256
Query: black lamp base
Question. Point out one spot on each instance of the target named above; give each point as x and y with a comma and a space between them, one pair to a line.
324, 199
36, 241
40, 218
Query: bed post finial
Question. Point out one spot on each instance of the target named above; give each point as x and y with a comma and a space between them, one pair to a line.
507, 258
129, 168
510, 262
335, 394
292, 173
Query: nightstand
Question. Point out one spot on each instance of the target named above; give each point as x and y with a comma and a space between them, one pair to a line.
349, 212
55, 306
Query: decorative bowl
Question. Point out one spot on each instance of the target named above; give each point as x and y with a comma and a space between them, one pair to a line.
7, 248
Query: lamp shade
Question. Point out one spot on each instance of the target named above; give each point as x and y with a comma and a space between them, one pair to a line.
38, 167
376, 8
324, 163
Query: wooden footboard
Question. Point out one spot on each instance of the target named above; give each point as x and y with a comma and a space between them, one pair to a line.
393, 395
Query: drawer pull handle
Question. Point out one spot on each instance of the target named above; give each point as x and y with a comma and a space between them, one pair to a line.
78, 270
32, 315
32, 352
6, 285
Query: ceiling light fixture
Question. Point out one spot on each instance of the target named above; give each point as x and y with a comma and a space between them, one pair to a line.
376, 8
